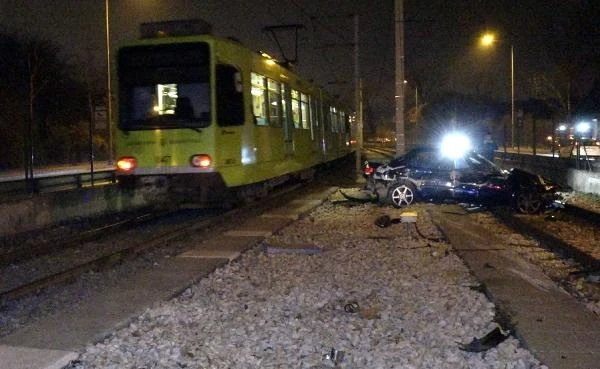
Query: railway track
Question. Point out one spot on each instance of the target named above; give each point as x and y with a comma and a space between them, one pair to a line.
38, 266
564, 244
148, 238
54, 257
570, 233
20, 248
36, 280
378, 151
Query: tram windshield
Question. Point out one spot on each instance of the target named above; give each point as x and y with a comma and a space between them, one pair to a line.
164, 86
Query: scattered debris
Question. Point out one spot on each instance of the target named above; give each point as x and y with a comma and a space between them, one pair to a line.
485, 343
351, 307
334, 357
472, 208
385, 221
358, 194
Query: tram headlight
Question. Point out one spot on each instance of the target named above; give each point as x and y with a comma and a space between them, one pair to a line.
126, 163
201, 161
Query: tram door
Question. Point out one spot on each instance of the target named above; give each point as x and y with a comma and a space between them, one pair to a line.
230, 113
288, 122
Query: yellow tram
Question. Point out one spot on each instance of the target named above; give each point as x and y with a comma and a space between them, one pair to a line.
198, 115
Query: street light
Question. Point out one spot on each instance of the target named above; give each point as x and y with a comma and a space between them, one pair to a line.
487, 40
108, 86
415, 134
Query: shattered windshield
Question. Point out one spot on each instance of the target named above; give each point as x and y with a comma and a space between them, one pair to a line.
480, 164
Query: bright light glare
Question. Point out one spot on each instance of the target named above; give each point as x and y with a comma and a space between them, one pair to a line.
583, 127
455, 145
487, 39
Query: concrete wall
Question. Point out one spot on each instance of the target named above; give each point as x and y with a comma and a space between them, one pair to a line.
42, 210
584, 181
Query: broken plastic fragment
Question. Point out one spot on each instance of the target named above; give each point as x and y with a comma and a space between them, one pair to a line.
358, 195
334, 357
385, 221
351, 307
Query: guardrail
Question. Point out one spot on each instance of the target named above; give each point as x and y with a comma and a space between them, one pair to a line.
54, 179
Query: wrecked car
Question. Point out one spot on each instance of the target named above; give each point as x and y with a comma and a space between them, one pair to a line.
431, 174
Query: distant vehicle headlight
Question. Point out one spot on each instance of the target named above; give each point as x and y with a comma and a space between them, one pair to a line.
583, 127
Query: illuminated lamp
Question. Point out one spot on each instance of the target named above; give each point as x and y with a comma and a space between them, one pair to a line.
201, 161
455, 145
583, 127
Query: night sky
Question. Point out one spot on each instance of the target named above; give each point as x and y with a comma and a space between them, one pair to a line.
441, 51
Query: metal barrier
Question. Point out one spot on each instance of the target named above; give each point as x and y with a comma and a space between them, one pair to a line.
559, 169
52, 182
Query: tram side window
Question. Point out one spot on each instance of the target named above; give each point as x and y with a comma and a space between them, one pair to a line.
259, 98
314, 118
314, 107
230, 97
327, 118
274, 100
334, 119
296, 108
304, 112
285, 103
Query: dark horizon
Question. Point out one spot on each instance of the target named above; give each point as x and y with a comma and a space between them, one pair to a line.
555, 38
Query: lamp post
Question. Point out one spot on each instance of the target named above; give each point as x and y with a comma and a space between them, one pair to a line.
399, 96
415, 133
512, 96
487, 40
108, 86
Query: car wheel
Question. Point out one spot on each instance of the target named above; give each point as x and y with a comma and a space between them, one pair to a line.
401, 194
528, 203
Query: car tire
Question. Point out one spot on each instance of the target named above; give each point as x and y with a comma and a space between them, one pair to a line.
528, 203
401, 194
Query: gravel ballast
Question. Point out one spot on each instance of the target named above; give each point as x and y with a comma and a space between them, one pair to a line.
368, 297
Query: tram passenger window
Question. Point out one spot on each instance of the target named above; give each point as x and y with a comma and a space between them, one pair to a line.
274, 99
304, 112
314, 118
296, 108
230, 97
285, 103
334, 120
259, 98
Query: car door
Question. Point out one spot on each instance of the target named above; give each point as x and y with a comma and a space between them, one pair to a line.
445, 177
422, 172
467, 179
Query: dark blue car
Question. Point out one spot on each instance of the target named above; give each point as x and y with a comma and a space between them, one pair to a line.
426, 174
